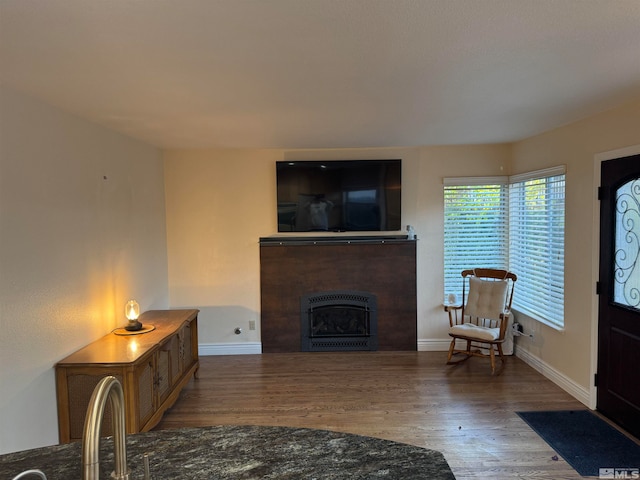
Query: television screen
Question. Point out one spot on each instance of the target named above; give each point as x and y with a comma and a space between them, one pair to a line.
339, 195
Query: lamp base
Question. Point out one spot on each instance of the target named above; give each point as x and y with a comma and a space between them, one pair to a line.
133, 326
145, 329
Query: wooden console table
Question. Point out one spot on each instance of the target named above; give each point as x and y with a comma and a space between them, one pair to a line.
152, 367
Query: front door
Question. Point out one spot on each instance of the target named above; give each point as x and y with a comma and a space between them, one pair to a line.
619, 301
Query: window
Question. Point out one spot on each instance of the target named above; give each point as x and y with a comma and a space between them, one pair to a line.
475, 226
516, 223
627, 267
536, 244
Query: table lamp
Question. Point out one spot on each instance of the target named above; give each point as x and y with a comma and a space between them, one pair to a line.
132, 312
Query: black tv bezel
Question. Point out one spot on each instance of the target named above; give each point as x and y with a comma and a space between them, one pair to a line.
286, 164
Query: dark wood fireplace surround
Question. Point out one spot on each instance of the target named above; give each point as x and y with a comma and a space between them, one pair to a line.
291, 267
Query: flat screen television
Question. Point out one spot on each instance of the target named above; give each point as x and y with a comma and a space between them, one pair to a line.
339, 195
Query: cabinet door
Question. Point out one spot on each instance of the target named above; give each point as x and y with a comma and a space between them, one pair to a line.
81, 384
187, 342
145, 375
163, 380
173, 347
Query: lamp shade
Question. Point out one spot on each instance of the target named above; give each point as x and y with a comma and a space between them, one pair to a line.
132, 310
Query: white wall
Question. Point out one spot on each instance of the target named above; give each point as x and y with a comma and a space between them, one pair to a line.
82, 229
569, 356
220, 202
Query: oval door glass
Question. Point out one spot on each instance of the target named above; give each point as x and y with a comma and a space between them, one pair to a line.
626, 289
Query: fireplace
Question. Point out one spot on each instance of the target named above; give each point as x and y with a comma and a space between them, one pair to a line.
338, 321
294, 267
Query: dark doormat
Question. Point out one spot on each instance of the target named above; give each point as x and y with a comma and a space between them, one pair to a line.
586, 442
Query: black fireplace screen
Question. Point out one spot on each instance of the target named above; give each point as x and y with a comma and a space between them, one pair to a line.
335, 321
339, 320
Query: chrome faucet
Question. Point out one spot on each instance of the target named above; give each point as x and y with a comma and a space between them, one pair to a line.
26, 473
111, 389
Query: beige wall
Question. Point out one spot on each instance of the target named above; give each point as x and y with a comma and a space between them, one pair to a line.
437, 163
216, 263
220, 202
74, 247
570, 353
218, 205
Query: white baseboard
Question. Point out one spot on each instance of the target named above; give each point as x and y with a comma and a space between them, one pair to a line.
206, 349
433, 344
579, 392
442, 345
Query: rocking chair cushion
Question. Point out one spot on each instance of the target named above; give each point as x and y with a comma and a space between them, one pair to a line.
486, 298
471, 330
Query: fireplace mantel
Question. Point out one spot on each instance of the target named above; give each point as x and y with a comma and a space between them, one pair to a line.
331, 240
291, 267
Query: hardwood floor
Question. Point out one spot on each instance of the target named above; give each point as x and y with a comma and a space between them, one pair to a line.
409, 397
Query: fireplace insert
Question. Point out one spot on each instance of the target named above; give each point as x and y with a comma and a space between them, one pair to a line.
338, 321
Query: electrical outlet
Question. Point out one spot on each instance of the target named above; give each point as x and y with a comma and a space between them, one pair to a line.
252, 324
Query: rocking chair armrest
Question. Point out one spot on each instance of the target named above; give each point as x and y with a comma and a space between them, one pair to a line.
504, 321
448, 307
454, 316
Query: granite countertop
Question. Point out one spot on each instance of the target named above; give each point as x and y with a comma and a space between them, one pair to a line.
243, 452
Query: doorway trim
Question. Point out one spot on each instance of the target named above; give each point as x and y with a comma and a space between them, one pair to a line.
595, 259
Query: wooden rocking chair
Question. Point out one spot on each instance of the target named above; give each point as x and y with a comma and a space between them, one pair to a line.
482, 319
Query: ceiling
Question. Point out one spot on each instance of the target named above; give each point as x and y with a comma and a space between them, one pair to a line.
323, 73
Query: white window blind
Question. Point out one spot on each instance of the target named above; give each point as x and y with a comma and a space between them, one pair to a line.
536, 243
475, 227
